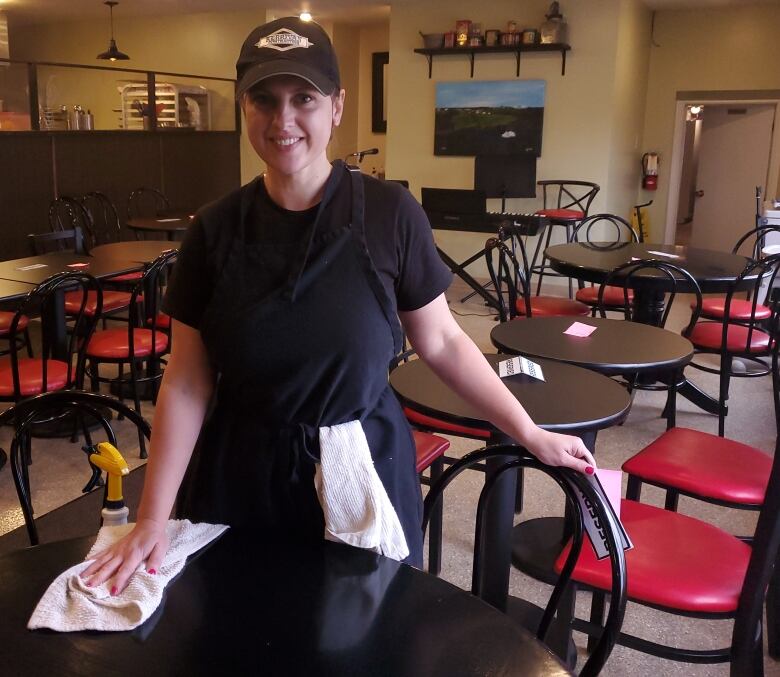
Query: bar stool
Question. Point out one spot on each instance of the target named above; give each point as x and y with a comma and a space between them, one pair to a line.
566, 202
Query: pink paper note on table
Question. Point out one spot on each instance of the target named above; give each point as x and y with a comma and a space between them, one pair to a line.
580, 329
611, 482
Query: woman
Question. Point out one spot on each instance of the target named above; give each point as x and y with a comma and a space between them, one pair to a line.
285, 303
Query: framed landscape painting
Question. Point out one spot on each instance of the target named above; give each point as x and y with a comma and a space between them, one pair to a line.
502, 117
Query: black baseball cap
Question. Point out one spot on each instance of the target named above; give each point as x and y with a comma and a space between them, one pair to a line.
288, 46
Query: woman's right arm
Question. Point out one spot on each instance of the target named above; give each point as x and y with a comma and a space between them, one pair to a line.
185, 393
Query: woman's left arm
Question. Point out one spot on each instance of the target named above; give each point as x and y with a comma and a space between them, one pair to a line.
441, 343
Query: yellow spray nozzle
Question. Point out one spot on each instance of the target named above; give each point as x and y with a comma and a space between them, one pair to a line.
109, 459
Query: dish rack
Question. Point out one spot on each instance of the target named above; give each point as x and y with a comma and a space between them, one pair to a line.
177, 106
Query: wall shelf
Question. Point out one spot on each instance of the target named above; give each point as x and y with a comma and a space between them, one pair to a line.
517, 50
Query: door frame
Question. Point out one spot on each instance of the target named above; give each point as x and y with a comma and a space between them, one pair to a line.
678, 142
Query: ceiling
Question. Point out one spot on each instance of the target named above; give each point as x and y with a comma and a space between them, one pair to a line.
45, 11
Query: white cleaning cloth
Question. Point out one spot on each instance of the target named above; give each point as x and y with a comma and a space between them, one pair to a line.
70, 605
354, 501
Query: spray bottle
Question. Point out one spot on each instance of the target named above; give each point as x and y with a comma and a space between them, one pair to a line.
108, 458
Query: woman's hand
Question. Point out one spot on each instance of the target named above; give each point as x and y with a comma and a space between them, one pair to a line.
146, 542
561, 450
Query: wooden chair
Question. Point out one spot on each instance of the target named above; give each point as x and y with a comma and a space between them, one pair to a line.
565, 203
86, 407
572, 484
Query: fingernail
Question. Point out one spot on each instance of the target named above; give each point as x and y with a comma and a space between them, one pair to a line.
113, 591
89, 584
152, 571
589, 470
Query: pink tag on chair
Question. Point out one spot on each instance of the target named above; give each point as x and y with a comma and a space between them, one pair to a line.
580, 329
611, 481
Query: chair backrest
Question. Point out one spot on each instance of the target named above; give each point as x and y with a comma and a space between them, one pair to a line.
510, 278
50, 406
606, 228
629, 276
59, 241
568, 194
751, 243
571, 483
146, 201
69, 356
67, 213
103, 218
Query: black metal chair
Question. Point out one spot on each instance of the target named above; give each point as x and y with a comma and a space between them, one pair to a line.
565, 202
68, 213
71, 240
103, 218
86, 408
602, 231
140, 345
573, 484
146, 201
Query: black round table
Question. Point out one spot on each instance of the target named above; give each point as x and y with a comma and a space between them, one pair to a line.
615, 347
570, 399
170, 224
143, 251
247, 606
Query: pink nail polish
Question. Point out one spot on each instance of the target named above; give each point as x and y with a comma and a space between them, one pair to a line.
152, 571
589, 470
113, 591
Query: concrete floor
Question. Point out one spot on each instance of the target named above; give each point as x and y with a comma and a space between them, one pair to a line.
58, 474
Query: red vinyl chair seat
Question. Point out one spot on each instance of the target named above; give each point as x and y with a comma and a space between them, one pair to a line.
163, 321
416, 418
112, 300
7, 317
709, 335
705, 465
552, 306
127, 277
114, 344
562, 214
613, 296
31, 376
429, 447
677, 562
739, 309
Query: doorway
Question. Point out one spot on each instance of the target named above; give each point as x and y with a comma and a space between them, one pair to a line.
724, 152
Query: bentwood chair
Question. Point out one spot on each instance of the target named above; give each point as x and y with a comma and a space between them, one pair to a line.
86, 407
510, 280
145, 201
60, 361
565, 203
140, 345
67, 213
574, 486
690, 568
602, 231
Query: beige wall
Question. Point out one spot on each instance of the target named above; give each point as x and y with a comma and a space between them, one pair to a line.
347, 44
373, 38
698, 50
592, 114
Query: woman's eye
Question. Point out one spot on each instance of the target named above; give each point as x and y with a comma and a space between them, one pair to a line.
260, 99
305, 98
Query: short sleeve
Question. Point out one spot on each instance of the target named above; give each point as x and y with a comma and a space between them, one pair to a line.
422, 274
191, 283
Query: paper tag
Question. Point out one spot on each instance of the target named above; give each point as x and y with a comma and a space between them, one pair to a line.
580, 329
33, 266
668, 256
520, 365
612, 484
78, 265
592, 524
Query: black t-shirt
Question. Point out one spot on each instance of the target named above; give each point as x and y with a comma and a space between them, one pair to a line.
398, 235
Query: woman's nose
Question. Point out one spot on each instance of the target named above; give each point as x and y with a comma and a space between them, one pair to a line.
284, 113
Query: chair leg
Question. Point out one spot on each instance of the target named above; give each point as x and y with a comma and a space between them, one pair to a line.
535, 257
137, 402
436, 523
634, 488
29, 343
672, 500
597, 606
725, 376
773, 612
519, 492
540, 272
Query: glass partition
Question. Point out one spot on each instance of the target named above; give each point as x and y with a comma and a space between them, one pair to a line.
14, 98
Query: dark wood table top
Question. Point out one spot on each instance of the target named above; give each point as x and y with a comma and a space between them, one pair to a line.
11, 290
616, 347
35, 269
142, 251
570, 399
170, 223
246, 606
713, 270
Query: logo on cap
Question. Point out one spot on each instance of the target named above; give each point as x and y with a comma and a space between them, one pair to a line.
284, 39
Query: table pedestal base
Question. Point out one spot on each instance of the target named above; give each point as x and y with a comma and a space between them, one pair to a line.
558, 639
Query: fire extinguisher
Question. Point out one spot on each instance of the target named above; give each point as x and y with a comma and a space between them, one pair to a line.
650, 171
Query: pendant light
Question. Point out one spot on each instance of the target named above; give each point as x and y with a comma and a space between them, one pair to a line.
112, 53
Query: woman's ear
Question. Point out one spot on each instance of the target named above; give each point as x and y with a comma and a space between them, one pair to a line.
338, 107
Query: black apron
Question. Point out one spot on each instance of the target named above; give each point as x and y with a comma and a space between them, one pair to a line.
313, 352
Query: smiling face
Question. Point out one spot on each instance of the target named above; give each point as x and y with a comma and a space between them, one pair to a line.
289, 124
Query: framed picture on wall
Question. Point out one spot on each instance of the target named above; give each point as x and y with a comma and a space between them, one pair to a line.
379, 61
489, 117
